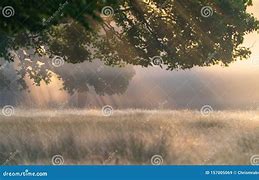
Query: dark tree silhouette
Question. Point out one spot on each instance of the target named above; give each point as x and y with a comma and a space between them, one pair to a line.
104, 79
78, 77
176, 31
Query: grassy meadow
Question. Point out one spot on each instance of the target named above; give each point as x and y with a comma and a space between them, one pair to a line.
129, 137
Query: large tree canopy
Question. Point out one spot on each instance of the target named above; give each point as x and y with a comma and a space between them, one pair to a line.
179, 33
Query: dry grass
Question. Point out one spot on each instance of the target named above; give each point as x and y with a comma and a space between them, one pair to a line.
129, 137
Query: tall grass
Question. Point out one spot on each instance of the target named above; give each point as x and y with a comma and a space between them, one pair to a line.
129, 137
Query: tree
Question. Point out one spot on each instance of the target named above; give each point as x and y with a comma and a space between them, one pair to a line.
180, 34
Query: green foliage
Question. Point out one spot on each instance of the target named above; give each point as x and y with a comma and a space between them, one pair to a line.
175, 30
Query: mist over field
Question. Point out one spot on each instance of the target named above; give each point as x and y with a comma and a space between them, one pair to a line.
129, 137
222, 88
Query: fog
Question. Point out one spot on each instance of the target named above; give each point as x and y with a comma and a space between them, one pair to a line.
234, 87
